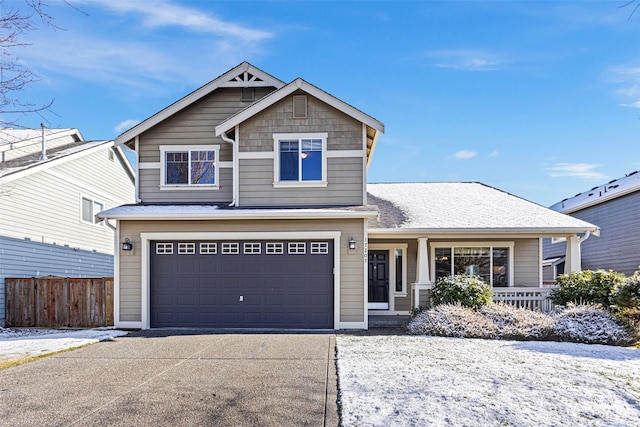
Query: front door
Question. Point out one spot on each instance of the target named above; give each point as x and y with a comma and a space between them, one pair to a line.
378, 280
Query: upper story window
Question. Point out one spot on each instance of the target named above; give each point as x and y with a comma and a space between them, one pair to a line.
189, 166
90, 208
300, 159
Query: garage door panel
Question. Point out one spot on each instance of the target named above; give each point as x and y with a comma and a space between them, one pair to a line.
249, 290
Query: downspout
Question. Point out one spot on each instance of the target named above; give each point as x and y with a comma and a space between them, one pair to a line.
235, 167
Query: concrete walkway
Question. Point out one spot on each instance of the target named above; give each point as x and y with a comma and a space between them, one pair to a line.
178, 378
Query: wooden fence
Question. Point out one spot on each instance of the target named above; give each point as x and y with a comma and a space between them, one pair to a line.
531, 298
59, 302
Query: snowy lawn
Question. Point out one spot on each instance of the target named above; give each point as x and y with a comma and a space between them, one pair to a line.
17, 344
437, 381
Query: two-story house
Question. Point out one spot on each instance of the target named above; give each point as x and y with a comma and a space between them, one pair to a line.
52, 185
253, 212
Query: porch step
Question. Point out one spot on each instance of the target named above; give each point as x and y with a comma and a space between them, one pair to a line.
388, 321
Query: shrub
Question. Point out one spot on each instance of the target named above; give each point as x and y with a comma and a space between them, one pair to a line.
468, 291
518, 323
452, 320
589, 324
587, 287
626, 303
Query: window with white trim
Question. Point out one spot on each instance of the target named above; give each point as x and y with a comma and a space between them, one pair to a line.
297, 247
186, 248
208, 248
90, 208
189, 166
230, 248
163, 248
300, 158
492, 263
274, 248
252, 248
319, 247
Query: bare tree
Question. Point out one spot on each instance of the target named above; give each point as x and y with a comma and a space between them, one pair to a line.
17, 19
634, 5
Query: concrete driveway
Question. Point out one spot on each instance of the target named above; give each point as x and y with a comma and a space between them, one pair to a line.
178, 378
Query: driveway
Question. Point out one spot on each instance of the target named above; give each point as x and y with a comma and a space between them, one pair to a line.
177, 378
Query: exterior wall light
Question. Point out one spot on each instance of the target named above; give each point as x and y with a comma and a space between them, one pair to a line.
127, 245
352, 243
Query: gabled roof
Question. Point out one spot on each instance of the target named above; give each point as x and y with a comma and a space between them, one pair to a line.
62, 145
464, 207
612, 190
243, 75
374, 127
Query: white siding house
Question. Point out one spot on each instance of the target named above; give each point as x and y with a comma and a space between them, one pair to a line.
48, 205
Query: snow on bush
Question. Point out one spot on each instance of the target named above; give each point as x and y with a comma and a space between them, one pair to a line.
584, 324
469, 291
589, 324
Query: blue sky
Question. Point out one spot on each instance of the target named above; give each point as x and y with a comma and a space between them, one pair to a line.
540, 99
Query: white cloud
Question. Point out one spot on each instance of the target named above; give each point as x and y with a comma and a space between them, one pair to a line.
465, 154
161, 13
494, 153
577, 170
627, 81
126, 124
466, 59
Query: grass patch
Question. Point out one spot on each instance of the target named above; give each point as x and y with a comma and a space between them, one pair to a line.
4, 364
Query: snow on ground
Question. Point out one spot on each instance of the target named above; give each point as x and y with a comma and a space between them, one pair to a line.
436, 381
22, 343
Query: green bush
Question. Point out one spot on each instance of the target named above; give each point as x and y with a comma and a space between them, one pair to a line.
626, 303
468, 291
587, 287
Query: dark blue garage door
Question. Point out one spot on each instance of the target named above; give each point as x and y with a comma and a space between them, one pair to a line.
242, 284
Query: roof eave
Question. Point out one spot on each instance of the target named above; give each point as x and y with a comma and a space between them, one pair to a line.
484, 232
239, 215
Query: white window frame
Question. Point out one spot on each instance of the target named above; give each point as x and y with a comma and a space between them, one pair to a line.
230, 248
94, 202
208, 248
164, 149
490, 245
186, 248
319, 248
297, 248
252, 248
277, 137
274, 248
164, 248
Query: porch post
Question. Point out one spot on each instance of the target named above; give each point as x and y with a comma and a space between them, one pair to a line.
422, 275
572, 257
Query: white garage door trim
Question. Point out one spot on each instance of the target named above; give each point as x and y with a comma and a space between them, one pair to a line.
146, 239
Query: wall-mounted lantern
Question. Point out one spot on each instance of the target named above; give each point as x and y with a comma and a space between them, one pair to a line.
352, 243
127, 245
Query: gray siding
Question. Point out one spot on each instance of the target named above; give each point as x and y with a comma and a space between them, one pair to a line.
351, 270
617, 247
40, 219
344, 176
194, 125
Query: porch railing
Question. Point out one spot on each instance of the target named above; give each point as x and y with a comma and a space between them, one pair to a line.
531, 298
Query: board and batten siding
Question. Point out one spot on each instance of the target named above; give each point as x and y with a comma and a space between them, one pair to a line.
41, 219
617, 246
351, 270
194, 125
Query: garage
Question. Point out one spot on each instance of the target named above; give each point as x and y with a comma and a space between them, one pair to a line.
242, 284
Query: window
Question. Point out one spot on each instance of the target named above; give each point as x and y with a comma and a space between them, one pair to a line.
186, 248
208, 248
491, 263
164, 248
252, 248
300, 159
90, 208
230, 248
297, 247
189, 166
273, 248
399, 272
319, 247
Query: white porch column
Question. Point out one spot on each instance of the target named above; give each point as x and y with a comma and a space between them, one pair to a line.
572, 257
423, 281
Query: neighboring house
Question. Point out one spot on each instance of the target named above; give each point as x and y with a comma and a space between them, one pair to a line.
615, 208
253, 212
48, 206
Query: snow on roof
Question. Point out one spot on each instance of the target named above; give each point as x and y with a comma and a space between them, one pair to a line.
463, 206
600, 194
199, 211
